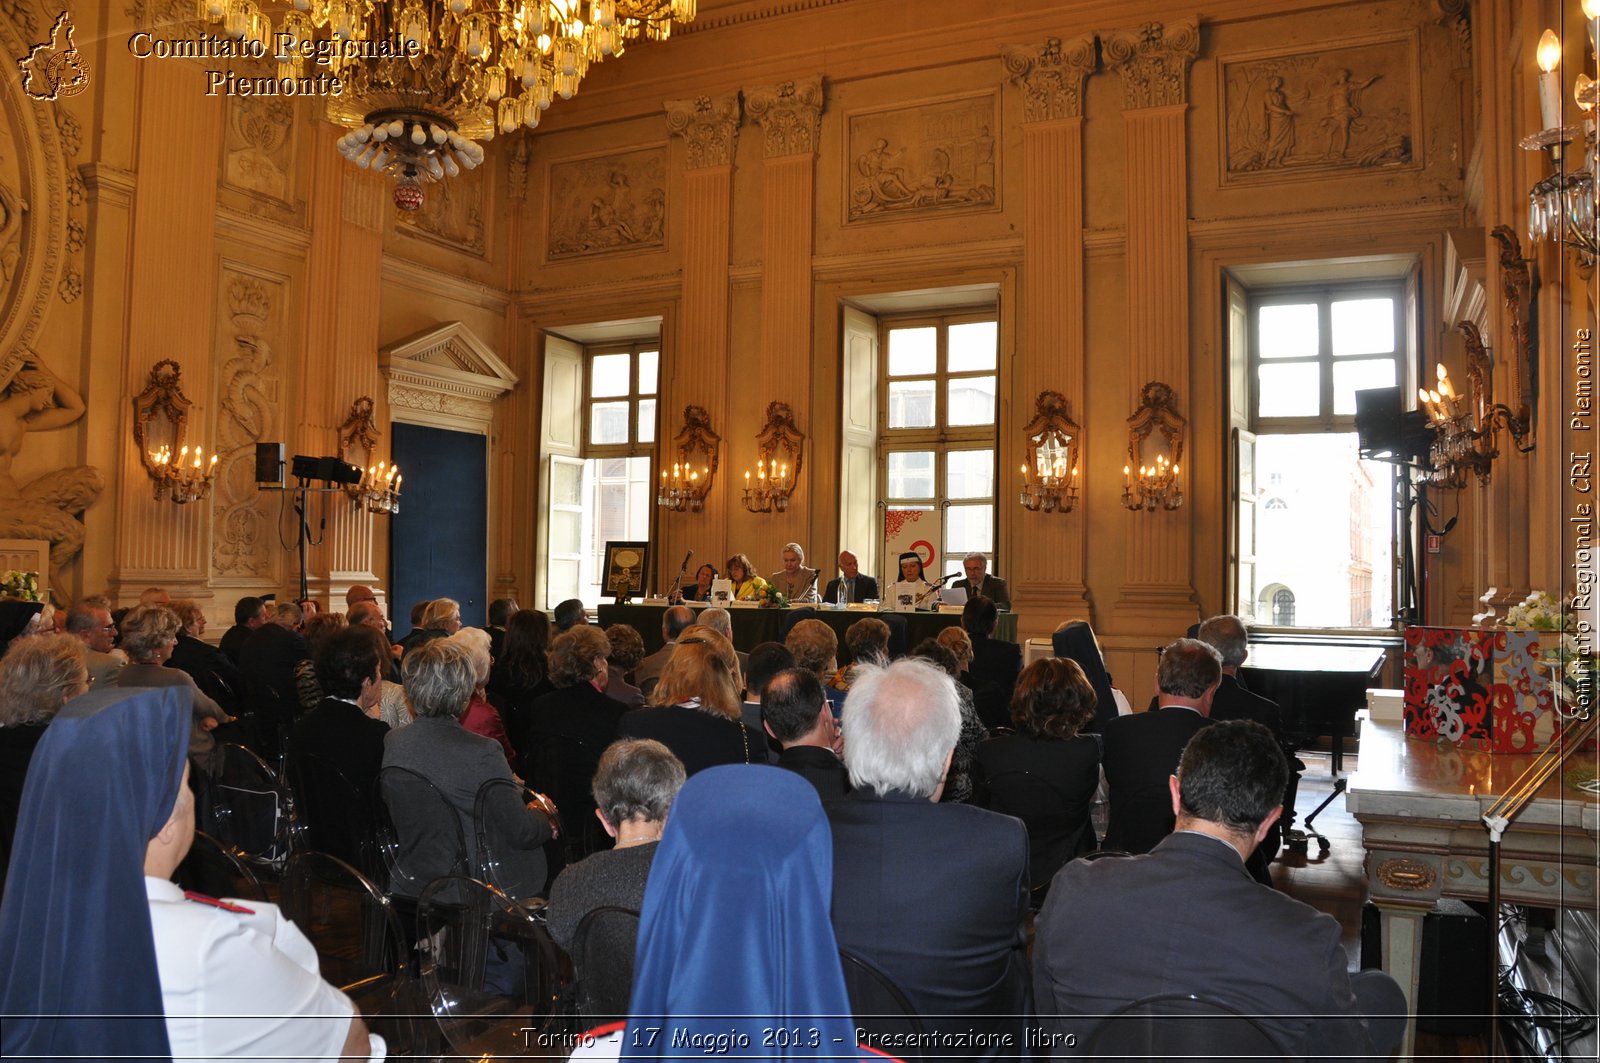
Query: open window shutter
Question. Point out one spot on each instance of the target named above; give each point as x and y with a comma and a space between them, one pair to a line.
560, 536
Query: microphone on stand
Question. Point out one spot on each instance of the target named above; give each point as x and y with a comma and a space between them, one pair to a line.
677, 584
812, 582
945, 578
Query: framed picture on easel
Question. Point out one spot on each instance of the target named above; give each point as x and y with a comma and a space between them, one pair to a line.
625, 566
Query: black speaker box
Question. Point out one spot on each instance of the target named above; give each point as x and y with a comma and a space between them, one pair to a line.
1453, 991
269, 464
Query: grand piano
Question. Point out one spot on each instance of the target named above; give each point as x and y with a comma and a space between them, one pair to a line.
1319, 686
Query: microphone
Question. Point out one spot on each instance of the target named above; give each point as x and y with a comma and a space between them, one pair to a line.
677, 584
946, 578
812, 582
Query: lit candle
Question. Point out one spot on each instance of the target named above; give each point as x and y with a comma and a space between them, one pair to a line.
1548, 57
1125, 472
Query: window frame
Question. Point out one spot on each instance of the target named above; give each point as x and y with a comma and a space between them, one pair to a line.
941, 437
634, 447
1401, 289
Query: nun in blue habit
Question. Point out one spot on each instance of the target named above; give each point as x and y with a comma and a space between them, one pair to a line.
1075, 640
78, 973
736, 953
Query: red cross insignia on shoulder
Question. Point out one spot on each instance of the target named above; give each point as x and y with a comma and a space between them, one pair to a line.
227, 906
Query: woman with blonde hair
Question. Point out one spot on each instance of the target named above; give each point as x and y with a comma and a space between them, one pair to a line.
37, 677
482, 718
695, 709
149, 635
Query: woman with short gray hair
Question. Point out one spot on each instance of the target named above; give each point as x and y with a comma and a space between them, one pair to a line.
481, 717
796, 580
440, 680
149, 635
634, 787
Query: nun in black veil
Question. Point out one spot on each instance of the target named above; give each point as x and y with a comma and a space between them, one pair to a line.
1075, 640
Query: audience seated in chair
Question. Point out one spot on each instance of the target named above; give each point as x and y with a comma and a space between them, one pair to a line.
627, 650
1047, 772
995, 662
267, 660
569, 728
648, 671
766, 661
166, 976
440, 682
249, 613
797, 716
89, 620
1188, 919
933, 895
149, 633
481, 717
1141, 750
958, 780
815, 646
1075, 639
37, 676
634, 788
520, 676
734, 939
694, 710
208, 666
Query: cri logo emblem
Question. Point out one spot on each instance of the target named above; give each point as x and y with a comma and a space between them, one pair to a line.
55, 69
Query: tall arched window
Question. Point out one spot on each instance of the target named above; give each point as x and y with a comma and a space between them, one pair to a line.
1283, 608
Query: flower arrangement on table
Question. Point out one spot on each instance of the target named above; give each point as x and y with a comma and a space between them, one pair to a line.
1566, 646
17, 584
770, 597
751, 590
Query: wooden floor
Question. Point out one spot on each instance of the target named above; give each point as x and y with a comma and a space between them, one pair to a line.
1336, 883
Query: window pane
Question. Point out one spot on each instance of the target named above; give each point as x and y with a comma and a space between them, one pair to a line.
968, 528
1288, 330
566, 484
1351, 377
1288, 391
969, 474
971, 401
608, 374
911, 404
563, 579
913, 351
647, 420
1363, 326
566, 531
608, 422
972, 346
649, 367
1323, 551
911, 474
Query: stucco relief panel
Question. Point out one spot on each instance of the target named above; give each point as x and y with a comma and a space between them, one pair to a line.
608, 203
929, 158
249, 376
258, 149
455, 213
1300, 113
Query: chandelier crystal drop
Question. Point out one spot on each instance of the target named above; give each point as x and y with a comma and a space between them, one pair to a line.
424, 82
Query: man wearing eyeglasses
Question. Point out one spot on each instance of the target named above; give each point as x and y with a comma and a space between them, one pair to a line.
90, 620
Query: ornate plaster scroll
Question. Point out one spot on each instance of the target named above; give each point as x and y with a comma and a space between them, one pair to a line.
928, 158
1153, 61
258, 148
1348, 108
248, 381
608, 203
789, 114
1051, 76
709, 127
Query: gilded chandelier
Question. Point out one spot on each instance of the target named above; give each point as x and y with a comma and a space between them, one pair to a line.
424, 81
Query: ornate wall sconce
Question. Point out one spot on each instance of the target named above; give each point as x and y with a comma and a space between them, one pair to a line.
780, 447
1465, 435
1561, 207
694, 465
1050, 475
180, 470
379, 488
1155, 446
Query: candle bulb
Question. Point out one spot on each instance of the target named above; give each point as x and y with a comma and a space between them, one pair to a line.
1548, 57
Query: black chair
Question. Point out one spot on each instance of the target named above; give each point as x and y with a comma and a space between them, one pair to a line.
217, 871
419, 833
1178, 1026
880, 1007
489, 970
248, 809
499, 802
602, 964
1055, 833
332, 815
360, 945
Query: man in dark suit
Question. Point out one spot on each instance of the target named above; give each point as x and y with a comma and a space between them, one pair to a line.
996, 663
648, 671
1229, 637
857, 588
345, 733
978, 581
796, 714
249, 613
766, 661
1141, 751
267, 660
1187, 919
933, 895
